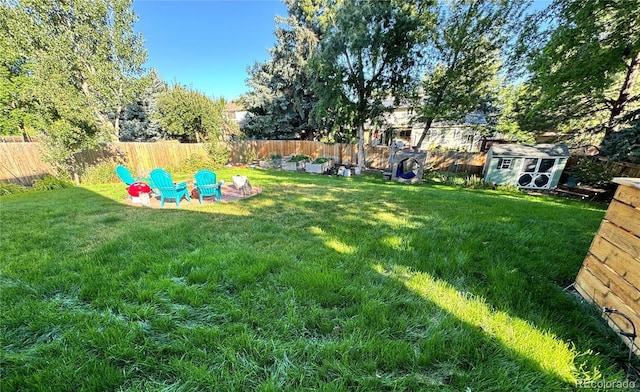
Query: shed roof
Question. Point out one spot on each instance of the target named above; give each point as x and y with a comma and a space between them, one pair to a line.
525, 150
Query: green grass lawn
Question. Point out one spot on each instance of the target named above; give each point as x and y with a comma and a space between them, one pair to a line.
318, 283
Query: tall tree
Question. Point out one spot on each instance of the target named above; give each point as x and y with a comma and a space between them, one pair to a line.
367, 54
17, 114
85, 48
280, 100
81, 59
583, 64
464, 57
189, 114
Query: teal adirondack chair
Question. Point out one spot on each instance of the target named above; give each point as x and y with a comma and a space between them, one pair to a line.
167, 188
128, 179
207, 186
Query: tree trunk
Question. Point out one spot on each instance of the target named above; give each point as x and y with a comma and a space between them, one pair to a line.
361, 147
116, 122
427, 126
625, 93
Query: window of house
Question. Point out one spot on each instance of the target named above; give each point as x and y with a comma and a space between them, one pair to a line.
505, 163
405, 133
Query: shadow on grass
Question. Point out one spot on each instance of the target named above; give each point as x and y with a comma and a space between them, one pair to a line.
278, 292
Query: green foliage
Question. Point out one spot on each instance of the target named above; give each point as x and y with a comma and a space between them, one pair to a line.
49, 182
583, 60
275, 156
7, 188
624, 144
16, 110
508, 114
463, 59
460, 180
321, 160
281, 98
62, 140
101, 173
368, 53
218, 153
139, 120
72, 67
299, 157
191, 165
84, 57
593, 171
190, 115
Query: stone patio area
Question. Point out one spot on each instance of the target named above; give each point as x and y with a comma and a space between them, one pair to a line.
229, 194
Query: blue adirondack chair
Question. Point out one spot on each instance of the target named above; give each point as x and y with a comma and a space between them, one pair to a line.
207, 186
128, 179
167, 188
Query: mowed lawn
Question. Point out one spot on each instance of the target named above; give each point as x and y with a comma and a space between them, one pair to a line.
318, 283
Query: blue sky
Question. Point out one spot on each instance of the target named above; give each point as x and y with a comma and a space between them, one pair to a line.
208, 44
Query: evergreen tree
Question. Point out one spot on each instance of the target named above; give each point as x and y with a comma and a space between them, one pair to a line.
281, 98
139, 120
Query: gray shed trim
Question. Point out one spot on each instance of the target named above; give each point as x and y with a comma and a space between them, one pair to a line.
533, 151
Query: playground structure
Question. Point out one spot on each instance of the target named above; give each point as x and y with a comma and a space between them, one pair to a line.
406, 166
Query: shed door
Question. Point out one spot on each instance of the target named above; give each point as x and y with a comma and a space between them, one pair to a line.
535, 173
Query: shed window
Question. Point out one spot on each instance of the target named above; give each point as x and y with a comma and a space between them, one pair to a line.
530, 165
505, 163
546, 165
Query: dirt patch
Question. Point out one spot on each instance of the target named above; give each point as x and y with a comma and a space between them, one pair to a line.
229, 195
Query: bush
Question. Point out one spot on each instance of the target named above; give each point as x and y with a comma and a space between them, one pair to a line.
592, 171
50, 182
460, 180
191, 165
100, 174
218, 153
321, 160
12, 189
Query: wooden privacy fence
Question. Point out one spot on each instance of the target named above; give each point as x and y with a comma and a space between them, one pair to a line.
626, 169
346, 154
22, 162
610, 274
247, 150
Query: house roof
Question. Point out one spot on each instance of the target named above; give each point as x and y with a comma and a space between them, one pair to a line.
524, 150
233, 107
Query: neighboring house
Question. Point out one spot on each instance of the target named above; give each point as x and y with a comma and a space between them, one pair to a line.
526, 166
395, 126
399, 126
234, 112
